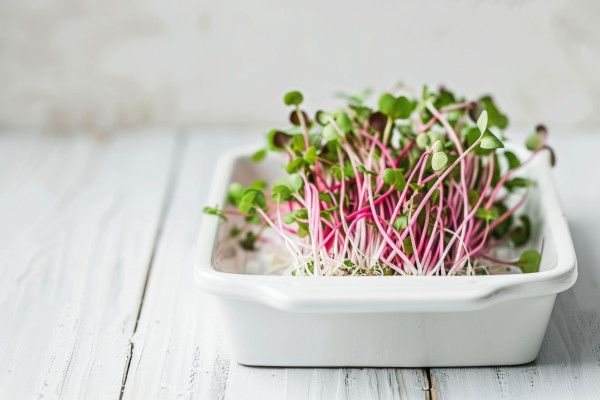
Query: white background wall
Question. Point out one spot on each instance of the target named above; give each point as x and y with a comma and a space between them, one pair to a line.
70, 64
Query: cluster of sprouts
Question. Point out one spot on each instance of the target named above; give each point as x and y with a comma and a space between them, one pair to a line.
418, 186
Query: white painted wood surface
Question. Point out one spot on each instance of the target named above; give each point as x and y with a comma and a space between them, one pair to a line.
84, 223
78, 220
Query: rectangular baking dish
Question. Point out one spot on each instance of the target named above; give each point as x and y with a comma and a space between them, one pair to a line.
390, 321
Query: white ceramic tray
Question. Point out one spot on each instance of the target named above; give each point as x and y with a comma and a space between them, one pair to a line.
390, 321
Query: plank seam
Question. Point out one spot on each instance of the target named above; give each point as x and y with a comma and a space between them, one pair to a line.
174, 168
431, 390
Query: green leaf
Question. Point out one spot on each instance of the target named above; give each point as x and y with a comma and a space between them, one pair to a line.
425, 93
259, 184
295, 165
403, 108
296, 183
386, 104
488, 215
348, 170
214, 211
326, 197
444, 98
315, 140
390, 176
496, 173
293, 98
259, 155
522, 233
395, 108
434, 136
503, 227
473, 196
435, 196
303, 229
234, 193
253, 219
495, 117
422, 141
281, 193
489, 141
530, 261
416, 187
515, 183
326, 213
344, 122
289, 218
301, 213
337, 172
295, 215
361, 113
311, 155
534, 141
248, 241
322, 118
401, 222
437, 146
329, 151
408, 249
472, 137
482, 121
251, 199
246, 208
512, 159
298, 144
439, 161
235, 232
394, 178
366, 171
330, 133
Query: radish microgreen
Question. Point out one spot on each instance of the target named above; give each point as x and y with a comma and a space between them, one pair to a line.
416, 186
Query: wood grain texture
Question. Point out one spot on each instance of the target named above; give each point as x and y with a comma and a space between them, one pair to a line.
78, 219
568, 366
178, 348
82, 222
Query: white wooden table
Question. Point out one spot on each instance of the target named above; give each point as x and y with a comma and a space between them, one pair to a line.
97, 300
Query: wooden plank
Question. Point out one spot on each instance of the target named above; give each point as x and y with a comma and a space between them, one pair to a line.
568, 366
178, 348
79, 218
357, 383
326, 383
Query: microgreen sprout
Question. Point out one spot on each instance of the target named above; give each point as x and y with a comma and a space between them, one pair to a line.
416, 186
